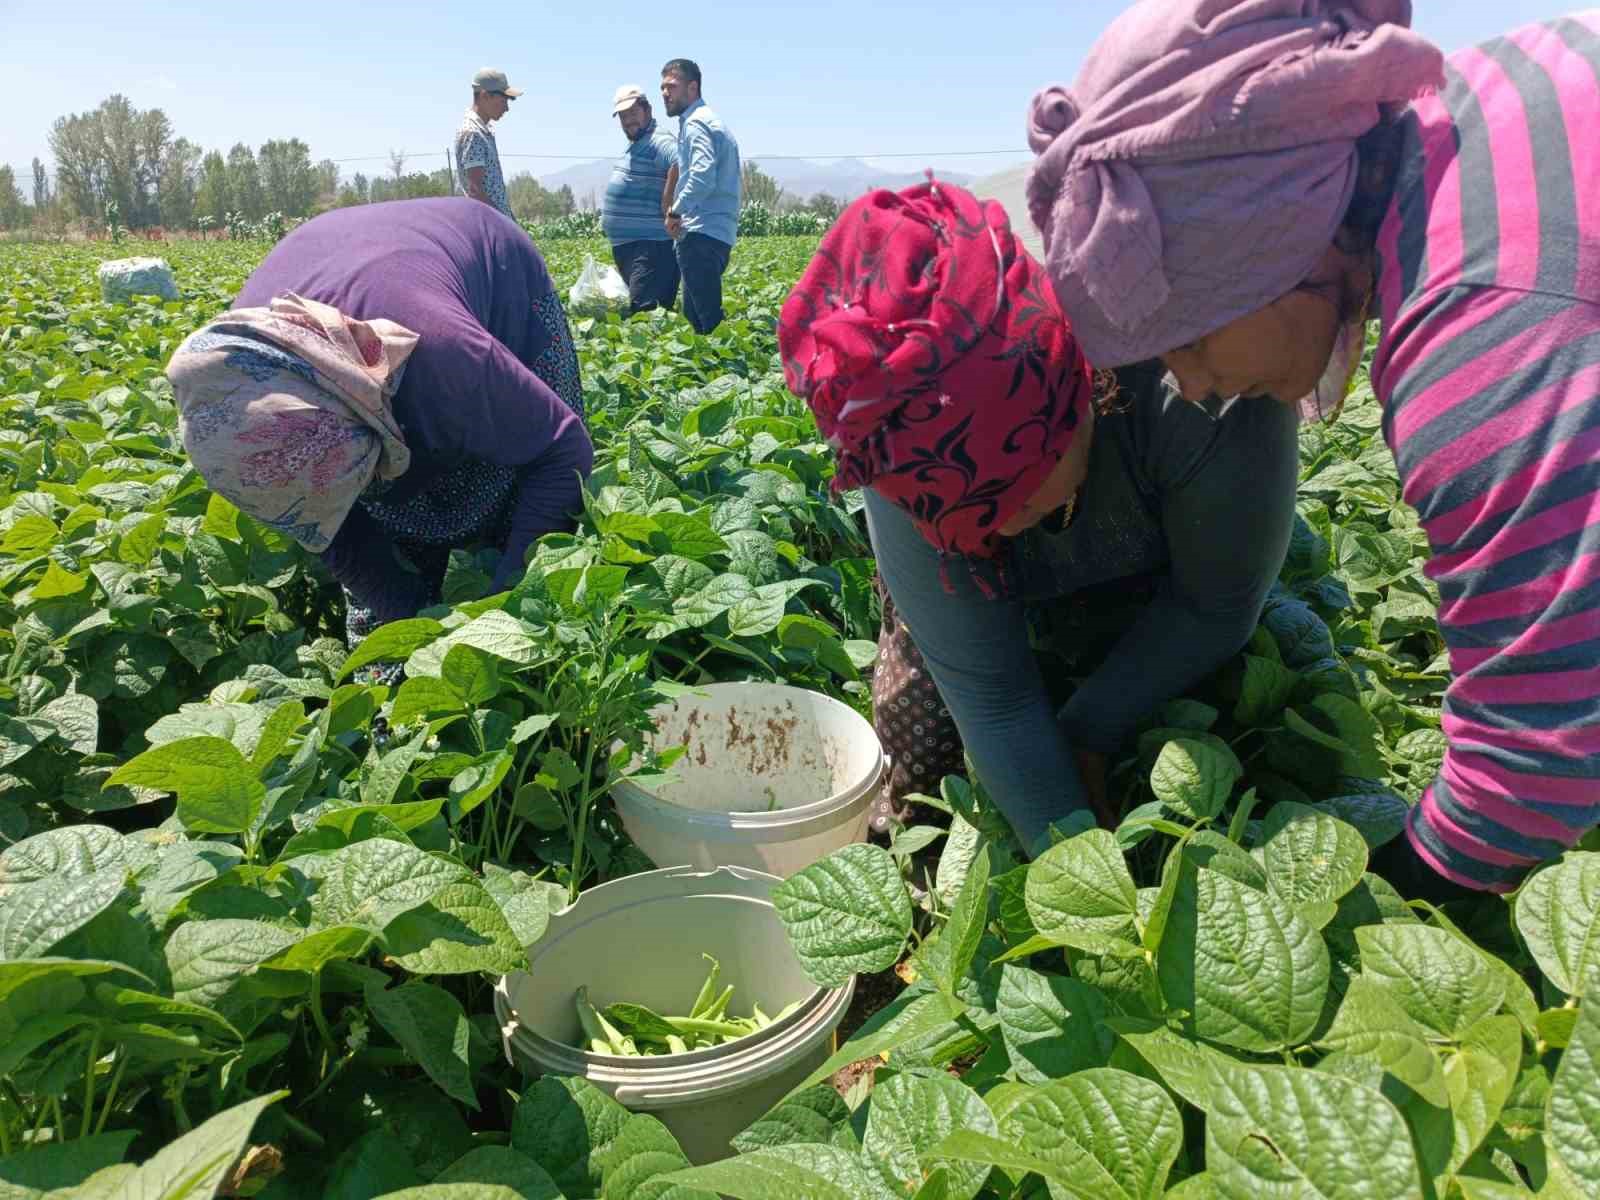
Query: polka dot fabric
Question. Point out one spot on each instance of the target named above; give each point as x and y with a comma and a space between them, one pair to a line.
912, 722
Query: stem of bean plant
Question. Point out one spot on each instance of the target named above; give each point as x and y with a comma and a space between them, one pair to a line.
111, 1093
583, 816
317, 1018
88, 1082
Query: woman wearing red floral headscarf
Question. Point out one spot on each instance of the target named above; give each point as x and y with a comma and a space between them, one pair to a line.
929, 345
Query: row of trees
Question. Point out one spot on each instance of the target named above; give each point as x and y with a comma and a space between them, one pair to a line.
118, 154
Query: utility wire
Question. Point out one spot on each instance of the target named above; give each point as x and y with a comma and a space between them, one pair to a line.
751, 157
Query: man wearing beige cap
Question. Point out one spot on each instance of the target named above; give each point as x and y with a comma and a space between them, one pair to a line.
634, 212
477, 156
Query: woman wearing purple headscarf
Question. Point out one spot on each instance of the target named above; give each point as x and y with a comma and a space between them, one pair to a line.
1236, 186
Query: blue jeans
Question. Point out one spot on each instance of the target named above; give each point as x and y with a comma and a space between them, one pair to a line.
702, 260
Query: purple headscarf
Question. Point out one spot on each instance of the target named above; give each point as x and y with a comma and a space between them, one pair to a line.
1200, 165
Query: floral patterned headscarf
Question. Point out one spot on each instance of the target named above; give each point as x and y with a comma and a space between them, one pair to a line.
285, 411
931, 349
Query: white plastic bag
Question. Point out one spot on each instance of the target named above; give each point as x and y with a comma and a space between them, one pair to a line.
598, 290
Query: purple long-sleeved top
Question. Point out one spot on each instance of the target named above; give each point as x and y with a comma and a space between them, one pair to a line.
471, 284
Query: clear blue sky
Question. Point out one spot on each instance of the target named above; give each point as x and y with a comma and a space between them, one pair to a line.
824, 79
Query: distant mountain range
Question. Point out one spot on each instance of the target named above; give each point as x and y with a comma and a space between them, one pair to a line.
843, 178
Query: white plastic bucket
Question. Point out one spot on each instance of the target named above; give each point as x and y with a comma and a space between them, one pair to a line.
640, 939
773, 778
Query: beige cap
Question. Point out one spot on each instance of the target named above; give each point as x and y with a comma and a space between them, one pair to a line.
1009, 187
491, 80
627, 96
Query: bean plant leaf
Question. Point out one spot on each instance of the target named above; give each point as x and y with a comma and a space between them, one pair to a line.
1479, 1074
643, 1152
75, 719
371, 883
1181, 1062
568, 1127
811, 1115
1052, 1025
26, 1174
395, 641
1082, 886
814, 1172
910, 1115
196, 1164
1309, 856
846, 913
1194, 778
74, 850
376, 1164
1437, 978
1371, 1024
1252, 972
1558, 914
1282, 1131
208, 959
217, 789
946, 959
1111, 1135
1263, 691
1572, 1112
918, 1019
458, 930
37, 916
503, 1167
430, 1025
471, 673
1380, 816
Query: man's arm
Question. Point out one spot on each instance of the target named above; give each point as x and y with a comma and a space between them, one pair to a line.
669, 189
699, 173
472, 156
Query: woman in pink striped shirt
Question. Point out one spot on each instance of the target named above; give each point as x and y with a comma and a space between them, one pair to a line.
1238, 185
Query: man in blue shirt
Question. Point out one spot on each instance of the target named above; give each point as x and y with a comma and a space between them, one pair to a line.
633, 214
704, 217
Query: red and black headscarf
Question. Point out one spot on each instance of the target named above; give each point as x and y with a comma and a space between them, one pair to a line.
930, 347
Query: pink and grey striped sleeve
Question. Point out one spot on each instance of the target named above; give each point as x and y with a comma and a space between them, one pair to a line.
1489, 373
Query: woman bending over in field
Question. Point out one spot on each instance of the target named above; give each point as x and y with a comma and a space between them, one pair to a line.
393, 381
1236, 185
929, 345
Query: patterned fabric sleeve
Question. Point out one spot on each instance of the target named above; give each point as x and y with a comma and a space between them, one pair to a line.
472, 150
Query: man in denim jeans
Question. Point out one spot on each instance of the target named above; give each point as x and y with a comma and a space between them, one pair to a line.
704, 218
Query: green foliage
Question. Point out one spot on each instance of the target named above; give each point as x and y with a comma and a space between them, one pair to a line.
232, 869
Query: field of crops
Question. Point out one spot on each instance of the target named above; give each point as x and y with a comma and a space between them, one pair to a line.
251, 910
